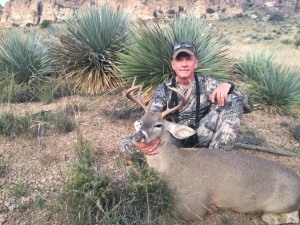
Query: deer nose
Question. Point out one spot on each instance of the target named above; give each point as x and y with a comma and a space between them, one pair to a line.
139, 137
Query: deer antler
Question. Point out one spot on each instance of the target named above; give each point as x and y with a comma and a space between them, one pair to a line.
137, 99
181, 103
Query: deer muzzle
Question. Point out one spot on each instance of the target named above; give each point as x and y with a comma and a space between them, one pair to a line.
139, 137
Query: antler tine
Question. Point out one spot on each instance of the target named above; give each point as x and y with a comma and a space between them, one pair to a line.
181, 103
137, 99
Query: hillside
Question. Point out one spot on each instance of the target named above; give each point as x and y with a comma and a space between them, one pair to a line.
25, 12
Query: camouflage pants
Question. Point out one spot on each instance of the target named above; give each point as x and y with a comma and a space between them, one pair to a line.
220, 127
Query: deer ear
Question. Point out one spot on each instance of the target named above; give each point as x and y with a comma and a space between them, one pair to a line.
180, 131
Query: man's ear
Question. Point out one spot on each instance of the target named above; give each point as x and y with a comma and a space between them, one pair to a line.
179, 131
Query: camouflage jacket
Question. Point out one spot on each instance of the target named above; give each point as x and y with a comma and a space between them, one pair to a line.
187, 113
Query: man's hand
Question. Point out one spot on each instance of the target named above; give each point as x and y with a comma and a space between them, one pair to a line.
220, 94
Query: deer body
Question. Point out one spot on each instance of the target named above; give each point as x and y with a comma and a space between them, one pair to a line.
205, 179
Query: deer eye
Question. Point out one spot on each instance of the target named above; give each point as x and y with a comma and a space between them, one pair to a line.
158, 125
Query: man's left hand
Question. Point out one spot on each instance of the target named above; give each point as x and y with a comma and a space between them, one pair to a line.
220, 94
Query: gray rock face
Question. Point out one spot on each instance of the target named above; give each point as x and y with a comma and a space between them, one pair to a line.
22, 12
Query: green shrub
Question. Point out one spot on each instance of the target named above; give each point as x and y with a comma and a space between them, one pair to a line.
45, 23
171, 11
143, 57
286, 41
49, 89
297, 43
15, 25
13, 92
210, 11
87, 51
18, 189
276, 17
24, 55
13, 125
46, 90
64, 122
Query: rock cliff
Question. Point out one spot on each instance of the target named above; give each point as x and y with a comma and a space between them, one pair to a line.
22, 12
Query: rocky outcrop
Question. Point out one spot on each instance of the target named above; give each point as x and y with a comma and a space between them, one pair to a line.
22, 12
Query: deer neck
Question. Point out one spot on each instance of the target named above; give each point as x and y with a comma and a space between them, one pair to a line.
167, 154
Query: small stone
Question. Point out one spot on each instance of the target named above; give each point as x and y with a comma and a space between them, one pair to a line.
297, 132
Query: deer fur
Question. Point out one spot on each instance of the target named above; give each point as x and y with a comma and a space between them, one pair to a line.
205, 179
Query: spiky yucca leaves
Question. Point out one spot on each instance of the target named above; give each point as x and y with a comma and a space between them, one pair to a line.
249, 67
277, 89
270, 85
149, 54
24, 55
87, 52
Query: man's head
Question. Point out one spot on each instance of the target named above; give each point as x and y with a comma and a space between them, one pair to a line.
184, 61
184, 47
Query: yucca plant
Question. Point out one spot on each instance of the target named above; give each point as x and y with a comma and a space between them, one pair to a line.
88, 47
148, 55
250, 66
277, 89
23, 55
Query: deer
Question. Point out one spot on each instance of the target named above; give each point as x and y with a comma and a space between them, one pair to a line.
204, 180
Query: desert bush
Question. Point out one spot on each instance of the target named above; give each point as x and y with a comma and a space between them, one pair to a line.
49, 89
24, 55
12, 124
13, 92
90, 197
149, 53
87, 51
46, 89
286, 41
64, 122
210, 11
276, 17
273, 86
45, 24
297, 43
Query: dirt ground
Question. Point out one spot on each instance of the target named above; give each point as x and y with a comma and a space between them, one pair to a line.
42, 163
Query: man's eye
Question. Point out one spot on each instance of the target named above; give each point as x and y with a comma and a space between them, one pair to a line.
158, 125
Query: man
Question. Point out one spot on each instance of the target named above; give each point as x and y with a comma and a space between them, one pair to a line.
217, 127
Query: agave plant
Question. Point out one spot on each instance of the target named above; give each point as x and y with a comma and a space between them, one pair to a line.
24, 55
148, 55
88, 47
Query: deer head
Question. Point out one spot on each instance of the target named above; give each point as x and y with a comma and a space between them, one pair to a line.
151, 125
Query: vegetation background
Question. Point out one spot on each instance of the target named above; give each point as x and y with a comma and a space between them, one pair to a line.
63, 112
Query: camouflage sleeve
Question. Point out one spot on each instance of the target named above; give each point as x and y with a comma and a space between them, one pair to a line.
159, 99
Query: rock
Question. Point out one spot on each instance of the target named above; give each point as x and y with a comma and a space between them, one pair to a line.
24, 12
297, 132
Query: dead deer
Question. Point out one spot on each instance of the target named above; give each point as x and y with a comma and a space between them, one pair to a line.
204, 180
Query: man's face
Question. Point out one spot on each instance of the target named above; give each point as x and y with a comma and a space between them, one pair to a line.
184, 65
